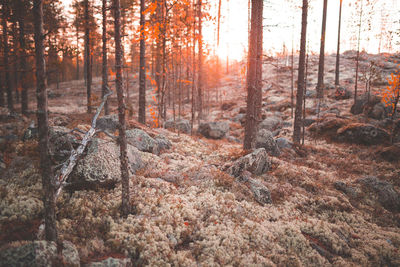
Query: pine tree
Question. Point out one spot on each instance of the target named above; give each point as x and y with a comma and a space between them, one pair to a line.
337, 71
320, 84
125, 208
142, 70
254, 74
301, 82
5, 17
104, 81
48, 182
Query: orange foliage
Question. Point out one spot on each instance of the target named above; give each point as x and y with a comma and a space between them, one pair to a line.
391, 94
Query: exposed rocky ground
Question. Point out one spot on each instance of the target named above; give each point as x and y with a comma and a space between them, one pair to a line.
201, 200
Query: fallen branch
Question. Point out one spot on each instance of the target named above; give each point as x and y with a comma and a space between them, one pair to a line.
69, 164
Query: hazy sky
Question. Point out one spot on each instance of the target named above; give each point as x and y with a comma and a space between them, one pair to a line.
282, 17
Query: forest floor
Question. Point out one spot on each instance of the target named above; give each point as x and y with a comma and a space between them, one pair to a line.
190, 212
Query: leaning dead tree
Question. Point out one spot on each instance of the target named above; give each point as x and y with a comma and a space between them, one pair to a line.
76, 154
60, 178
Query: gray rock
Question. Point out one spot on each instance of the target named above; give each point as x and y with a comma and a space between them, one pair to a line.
362, 134
214, 130
39, 253
379, 112
228, 105
261, 192
329, 86
342, 93
241, 118
256, 162
163, 142
111, 262
334, 111
61, 142
181, 125
362, 102
265, 139
309, 121
283, 143
232, 139
30, 133
287, 124
348, 190
311, 93
142, 141
101, 164
384, 191
271, 124
108, 123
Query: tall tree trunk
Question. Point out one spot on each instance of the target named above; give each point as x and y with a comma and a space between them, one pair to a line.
48, 181
292, 77
200, 62
300, 87
77, 53
254, 74
142, 71
10, 103
125, 208
24, 93
88, 64
2, 102
320, 84
338, 46
15, 64
358, 54
104, 82
217, 73
193, 69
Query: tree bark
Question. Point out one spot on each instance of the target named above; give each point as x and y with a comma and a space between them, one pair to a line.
320, 84
88, 64
200, 66
254, 74
77, 53
104, 82
23, 66
300, 87
338, 46
48, 182
5, 13
125, 208
358, 54
142, 71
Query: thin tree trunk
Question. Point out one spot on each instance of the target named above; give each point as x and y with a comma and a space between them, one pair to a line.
77, 53
304, 98
142, 71
338, 46
200, 62
48, 182
5, 12
24, 93
254, 74
358, 54
15, 64
320, 84
88, 59
125, 208
193, 69
292, 77
104, 82
300, 87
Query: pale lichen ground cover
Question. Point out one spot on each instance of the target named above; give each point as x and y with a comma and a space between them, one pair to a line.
199, 220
